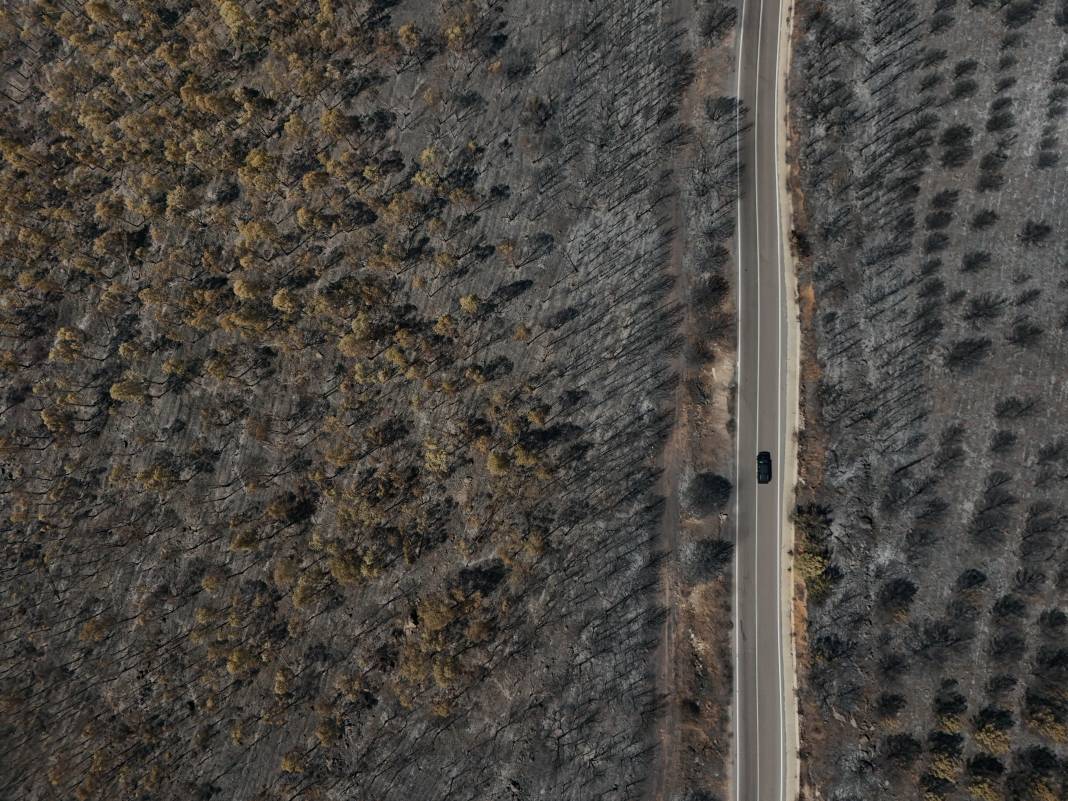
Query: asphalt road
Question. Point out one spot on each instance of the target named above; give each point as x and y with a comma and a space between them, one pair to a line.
763, 656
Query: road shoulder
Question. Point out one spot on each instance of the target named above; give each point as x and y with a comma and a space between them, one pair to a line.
793, 421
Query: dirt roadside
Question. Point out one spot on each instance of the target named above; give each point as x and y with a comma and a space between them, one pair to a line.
693, 662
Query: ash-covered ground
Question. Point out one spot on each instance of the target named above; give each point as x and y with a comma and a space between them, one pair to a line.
930, 139
341, 343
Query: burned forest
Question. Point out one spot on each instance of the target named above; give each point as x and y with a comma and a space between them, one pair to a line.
929, 140
341, 346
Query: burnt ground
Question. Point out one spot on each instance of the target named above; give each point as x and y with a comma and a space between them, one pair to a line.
340, 346
931, 530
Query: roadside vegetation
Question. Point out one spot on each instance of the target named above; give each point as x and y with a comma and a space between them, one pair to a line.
931, 550
339, 345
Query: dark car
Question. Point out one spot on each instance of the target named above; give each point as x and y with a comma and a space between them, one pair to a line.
763, 468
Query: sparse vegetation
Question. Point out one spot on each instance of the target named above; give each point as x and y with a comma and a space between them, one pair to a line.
934, 571
339, 344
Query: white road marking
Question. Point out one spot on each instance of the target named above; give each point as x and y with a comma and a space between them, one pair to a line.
780, 413
738, 393
756, 416
780, 408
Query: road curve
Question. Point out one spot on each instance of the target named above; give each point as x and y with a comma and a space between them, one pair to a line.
764, 710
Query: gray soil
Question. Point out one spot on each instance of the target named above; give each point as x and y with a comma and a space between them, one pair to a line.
931, 533
340, 347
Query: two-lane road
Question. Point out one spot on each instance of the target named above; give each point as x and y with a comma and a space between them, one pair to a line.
764, 722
